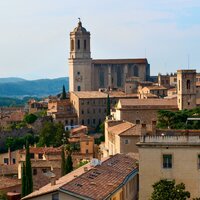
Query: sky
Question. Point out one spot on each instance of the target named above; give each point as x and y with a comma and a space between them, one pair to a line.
34, 34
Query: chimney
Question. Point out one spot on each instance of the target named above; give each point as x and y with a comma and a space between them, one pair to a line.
53, 181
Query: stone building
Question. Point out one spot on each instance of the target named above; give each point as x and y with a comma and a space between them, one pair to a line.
186, 89
91, 106
120, 137
143, 111
87, 74
169, 157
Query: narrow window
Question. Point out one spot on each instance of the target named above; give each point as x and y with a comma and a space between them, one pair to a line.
72, 45
167, 161
179, 85
86, 151
32, 155
198, 162
125, 141
78, 44
85, 44
88, 121
14, 161
188, 84
82, 121
137, 121
94, 121
79, 88
40, 156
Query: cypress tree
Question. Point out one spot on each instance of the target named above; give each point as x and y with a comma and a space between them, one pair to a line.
64, 95
63, 163
28, 171
23, 178
69, 164
108, 106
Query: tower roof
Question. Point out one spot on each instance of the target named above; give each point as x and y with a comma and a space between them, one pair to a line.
79, 28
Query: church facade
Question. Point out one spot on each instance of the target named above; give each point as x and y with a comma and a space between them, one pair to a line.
87, 74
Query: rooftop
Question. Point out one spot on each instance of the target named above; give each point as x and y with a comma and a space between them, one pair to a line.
169, 140
120, 61
148, 103
96, 183
124, 129
100, 95
46, 150
7, 182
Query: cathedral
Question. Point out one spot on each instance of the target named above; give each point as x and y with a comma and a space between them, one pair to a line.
87, 74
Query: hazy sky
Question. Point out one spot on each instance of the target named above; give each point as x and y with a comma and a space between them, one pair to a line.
34, 34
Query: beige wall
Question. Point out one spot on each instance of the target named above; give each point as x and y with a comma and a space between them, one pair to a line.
184, 168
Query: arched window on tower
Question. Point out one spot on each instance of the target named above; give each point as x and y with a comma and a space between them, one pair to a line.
72, 45
188, 84
78, 44
85, 45
135, 70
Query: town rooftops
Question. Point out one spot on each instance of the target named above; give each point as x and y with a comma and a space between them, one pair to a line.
7, 182
120, 61
100, 95
99, 182
43, 150
156, 87
124, 129
147, 104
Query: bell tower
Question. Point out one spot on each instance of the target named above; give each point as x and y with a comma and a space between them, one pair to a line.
186, 89
80, 62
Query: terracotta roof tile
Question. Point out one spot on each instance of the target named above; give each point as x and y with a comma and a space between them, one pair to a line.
6, 182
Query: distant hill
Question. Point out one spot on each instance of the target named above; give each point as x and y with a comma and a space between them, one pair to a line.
19, 88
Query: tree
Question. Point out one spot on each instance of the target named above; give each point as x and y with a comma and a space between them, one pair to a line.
69, 164
3, 195
108, 106
28, 172
64, 95
30, 118
166, 190
63, 163
23, 181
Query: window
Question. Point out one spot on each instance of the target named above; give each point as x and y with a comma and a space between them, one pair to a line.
88, 110
14, 161
32, 155
82, 111
87, 142
88, 121
79, 88
34, 171
72, 45
44, 170
85, 44
167, 161
55, 196
5, 161
126, 141
198, 162
40, 156
93, 110
78, 44
86, 151
93, 121
66, 122
136, 71
137, 121
188, 84
82, 121
78, 73
179, 85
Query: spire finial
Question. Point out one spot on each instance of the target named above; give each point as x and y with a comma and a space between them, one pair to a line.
79, 22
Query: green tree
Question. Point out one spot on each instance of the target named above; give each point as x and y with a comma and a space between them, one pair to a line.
30, 118
3, 195
28, 172
167, 190
108, 106
23, 181
64, 95
63, 162
69, 164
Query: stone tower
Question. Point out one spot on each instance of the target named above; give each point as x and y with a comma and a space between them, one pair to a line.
80, 62
186, 89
